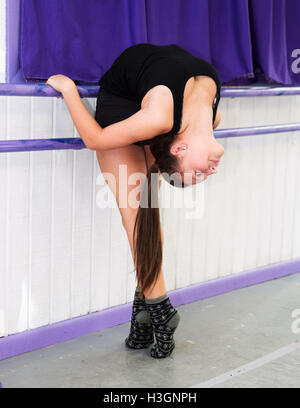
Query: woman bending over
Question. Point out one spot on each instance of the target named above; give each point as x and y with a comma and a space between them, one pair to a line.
156, 111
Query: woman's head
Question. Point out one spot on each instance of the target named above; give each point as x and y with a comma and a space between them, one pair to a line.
197, 153
192, 155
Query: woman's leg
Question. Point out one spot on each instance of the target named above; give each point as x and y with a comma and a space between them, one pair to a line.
109, 161
137, 159
141, 333
145, 322
164, 317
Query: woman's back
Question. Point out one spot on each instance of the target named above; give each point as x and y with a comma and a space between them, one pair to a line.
141, 67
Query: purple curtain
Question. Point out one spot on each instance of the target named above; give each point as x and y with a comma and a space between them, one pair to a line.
275, 34
237, 37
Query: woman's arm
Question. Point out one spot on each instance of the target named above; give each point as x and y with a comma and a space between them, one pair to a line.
144, 124
87, 127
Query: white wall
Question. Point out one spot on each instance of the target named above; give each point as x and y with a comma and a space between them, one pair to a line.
62, 256
2, 40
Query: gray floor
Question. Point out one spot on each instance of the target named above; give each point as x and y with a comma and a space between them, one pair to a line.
215, 336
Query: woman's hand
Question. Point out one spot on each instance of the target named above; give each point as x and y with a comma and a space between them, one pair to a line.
60, 83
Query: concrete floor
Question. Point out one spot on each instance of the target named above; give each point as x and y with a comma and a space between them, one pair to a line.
214, 337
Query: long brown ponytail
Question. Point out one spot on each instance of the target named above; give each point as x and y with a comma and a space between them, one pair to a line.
147, 232
147, 238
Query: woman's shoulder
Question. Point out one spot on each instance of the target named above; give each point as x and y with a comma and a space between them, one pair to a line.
160, 99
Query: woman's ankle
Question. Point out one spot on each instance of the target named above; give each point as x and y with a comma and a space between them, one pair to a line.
157, 299
154, 294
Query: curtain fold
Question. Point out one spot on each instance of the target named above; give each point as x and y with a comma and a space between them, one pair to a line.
206, 28
242, 39
275, 33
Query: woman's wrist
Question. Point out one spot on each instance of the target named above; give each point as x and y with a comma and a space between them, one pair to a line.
61, 83
69, 88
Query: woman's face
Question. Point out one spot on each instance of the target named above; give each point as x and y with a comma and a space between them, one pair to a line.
198, 156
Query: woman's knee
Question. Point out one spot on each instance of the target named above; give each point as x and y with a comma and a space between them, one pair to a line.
128, 217
124, 171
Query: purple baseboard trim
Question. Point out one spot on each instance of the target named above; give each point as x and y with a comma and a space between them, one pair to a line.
33, 339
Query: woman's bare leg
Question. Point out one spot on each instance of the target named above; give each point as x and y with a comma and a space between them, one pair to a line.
137, 159
109, 161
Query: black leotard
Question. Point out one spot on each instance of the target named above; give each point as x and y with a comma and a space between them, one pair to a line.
142, 66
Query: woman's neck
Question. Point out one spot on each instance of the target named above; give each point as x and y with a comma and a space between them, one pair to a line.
197, 107
203, 91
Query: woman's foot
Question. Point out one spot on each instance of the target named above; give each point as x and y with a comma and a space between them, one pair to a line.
141, 331
165, 320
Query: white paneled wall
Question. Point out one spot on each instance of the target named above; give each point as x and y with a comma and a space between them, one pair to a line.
62, 256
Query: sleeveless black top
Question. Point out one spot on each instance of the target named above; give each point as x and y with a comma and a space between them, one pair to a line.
142, 66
